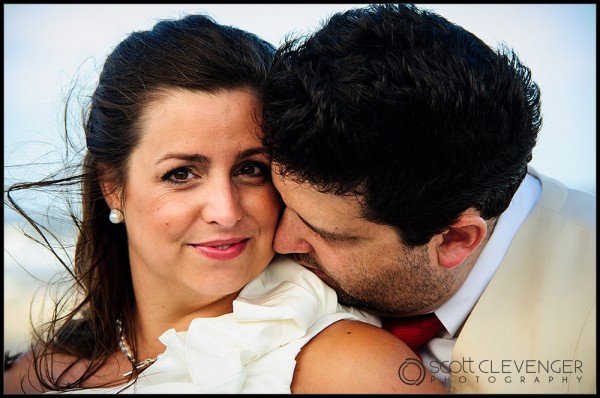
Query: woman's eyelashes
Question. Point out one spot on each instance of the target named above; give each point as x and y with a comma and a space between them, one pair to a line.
253, 171
247, 172
178, 176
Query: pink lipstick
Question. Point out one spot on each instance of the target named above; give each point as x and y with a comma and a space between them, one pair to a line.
222, 250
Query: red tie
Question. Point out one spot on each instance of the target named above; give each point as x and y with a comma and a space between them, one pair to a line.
414, 331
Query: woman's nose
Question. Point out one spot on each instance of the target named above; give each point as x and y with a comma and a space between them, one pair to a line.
223, 205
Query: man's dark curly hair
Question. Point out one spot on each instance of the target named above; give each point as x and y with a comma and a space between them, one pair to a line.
415, 114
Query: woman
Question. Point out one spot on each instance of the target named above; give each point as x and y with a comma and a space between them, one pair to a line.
173, 290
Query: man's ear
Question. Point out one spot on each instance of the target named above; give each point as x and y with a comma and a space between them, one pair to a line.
461, 239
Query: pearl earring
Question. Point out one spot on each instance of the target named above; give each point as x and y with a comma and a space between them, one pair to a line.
116, 216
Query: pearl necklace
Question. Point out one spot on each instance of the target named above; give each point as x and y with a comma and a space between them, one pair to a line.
125, 349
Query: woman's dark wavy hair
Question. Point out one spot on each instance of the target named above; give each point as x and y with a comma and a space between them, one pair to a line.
192, 53
414, 114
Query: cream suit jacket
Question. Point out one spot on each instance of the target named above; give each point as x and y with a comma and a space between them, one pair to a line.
534, 328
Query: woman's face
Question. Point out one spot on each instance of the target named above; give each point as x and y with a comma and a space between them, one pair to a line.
200, 209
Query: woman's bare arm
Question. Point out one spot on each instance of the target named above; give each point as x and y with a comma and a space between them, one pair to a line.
356, 357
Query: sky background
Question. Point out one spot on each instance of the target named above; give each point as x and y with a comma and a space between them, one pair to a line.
48, 48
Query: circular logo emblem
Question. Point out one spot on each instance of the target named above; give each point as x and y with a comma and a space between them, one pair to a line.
412, 372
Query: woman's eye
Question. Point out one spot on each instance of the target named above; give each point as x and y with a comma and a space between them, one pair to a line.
178, 176
252, 169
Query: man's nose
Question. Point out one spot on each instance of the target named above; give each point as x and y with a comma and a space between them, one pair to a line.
289, 237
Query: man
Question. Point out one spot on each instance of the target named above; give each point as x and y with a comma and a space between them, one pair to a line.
400, 145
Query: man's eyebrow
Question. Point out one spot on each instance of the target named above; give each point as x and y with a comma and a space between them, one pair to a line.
327, 234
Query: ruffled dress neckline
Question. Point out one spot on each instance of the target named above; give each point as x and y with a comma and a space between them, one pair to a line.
252, 349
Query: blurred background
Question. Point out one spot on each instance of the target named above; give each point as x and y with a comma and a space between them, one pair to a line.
51, 48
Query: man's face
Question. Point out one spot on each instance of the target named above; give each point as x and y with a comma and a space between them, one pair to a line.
366, 263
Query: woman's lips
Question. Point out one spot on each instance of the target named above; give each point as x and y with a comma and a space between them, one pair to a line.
222, 250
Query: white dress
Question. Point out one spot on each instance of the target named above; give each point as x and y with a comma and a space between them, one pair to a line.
253, 349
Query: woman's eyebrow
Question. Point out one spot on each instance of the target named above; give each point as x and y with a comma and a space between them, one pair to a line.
250, 152
190, 157
198, 158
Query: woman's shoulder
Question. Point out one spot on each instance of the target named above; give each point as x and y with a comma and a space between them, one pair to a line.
19, 374
356, 357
